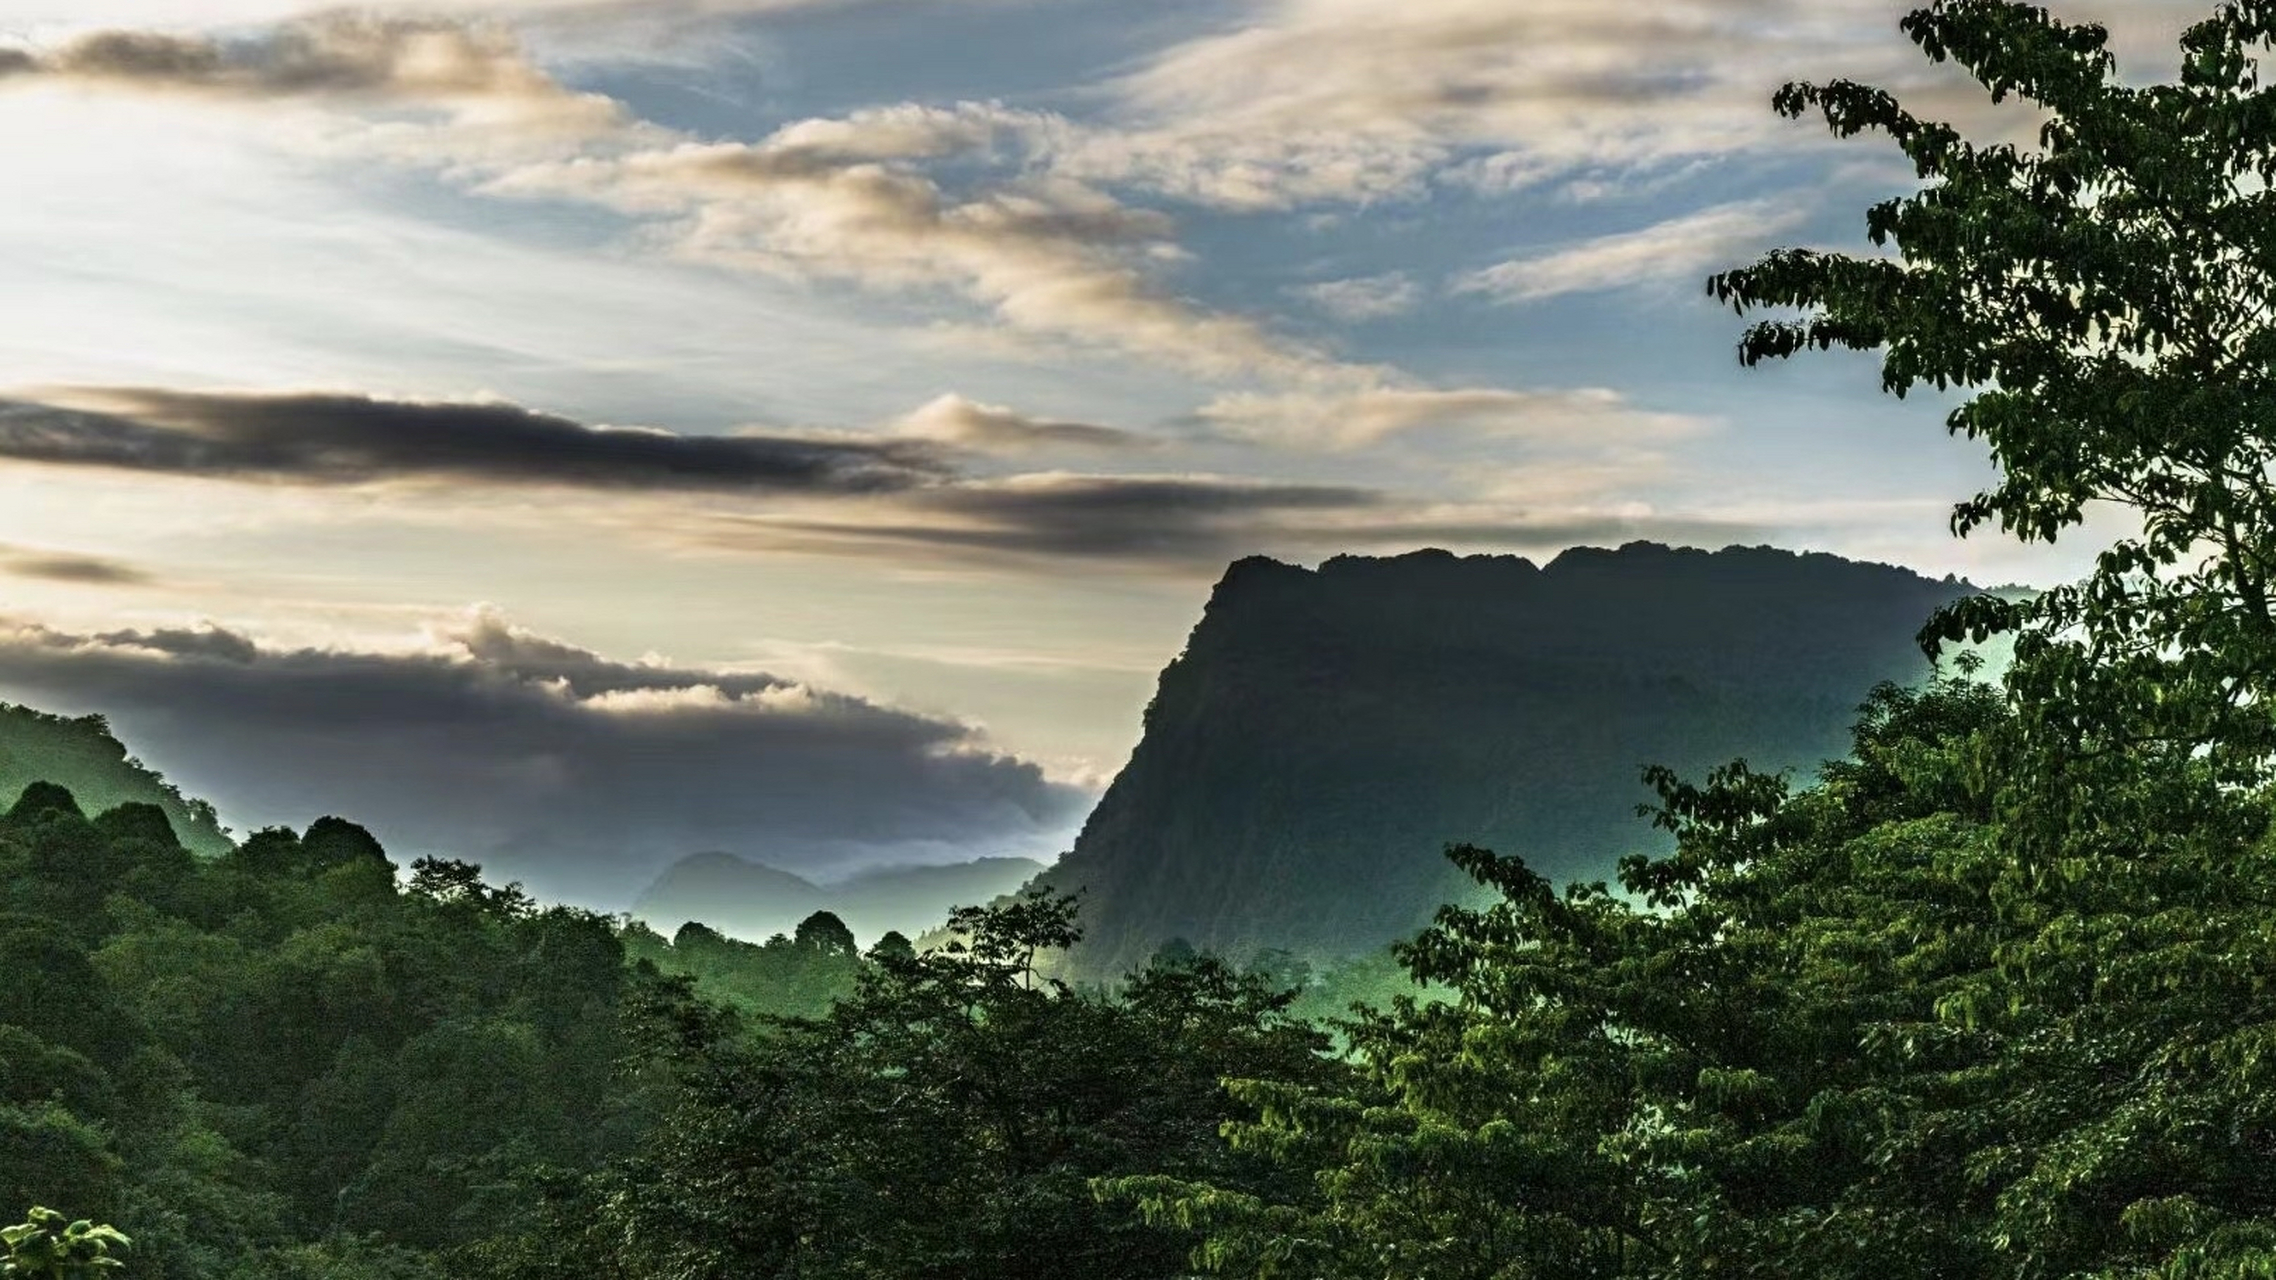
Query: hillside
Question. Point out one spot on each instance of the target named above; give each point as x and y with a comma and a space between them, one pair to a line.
753, 901
1327, 732
82, 756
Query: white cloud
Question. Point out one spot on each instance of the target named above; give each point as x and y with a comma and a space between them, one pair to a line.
1676, 249
1363, 297
952, 419
840, 199
1342, 100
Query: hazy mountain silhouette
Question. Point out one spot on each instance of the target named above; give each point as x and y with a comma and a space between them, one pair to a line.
1327, 732
753, 901
80, 755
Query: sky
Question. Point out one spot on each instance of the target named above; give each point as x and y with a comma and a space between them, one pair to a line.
571, 434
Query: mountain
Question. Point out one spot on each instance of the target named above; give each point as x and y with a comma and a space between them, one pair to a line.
751, 900
1327, 732
81, 756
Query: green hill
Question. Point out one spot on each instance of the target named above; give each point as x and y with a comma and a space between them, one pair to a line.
81, 756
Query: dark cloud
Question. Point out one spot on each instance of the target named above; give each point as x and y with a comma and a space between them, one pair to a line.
64, 567
1194, 522
209, 641
1175, 520
577, 774
351, 439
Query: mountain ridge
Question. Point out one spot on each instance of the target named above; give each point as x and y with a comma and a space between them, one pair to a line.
81, 755
1340, 725
747, 899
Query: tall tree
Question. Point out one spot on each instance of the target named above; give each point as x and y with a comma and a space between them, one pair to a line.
2105, 302
1993, 998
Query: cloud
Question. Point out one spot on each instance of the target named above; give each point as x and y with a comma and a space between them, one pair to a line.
858, 197
1191, 525
1679, 249
951, 419
1355, 100
1589, 417
1296, 103
1163, 521
313, 438
581, 775
1192, 535
1363, 297
240, 12
852, 199
362, 57
58, 566
430, 90
1130, 516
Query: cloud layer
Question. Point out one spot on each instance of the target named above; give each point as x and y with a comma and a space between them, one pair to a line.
580, 775
353, 439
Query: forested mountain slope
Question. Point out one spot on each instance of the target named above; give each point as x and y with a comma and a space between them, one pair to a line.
1327, 732
81, 755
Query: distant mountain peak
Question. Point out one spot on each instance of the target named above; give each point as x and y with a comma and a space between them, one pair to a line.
753, 901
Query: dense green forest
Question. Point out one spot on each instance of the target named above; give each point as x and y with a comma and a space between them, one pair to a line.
83, 755
1995, 995
292, 1061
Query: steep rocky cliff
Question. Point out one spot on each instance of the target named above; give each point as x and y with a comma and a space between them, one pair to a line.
1327, 732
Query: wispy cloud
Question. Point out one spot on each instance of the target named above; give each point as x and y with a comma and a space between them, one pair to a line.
1679, 249
1583, 418
1362, 298
1355, 100
847, 199
1184, 525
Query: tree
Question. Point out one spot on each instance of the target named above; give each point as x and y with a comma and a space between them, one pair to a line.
1993, 998
945, 1120
824, 932
2104, 301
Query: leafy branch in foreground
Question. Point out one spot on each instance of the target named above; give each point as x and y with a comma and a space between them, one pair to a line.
2107, 300
47, 1246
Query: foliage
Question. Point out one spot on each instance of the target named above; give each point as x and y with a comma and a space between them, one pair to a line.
1993, 997
782, 976
251, 1063
1836, 1033
945, 1120
2103, 299
46, 1245
79, 754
